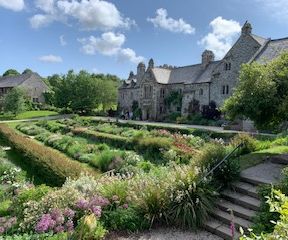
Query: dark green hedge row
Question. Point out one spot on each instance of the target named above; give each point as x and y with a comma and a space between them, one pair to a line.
45, 162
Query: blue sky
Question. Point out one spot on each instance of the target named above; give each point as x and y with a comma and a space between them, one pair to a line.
53, 36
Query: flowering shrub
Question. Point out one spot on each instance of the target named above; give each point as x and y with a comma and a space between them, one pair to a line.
7, 223
10, 176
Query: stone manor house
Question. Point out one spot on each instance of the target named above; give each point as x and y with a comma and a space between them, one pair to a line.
207, 81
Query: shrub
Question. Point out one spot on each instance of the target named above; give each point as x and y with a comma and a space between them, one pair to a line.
47, 163
126, 219
250, 144
210, 156
5, 208
190, 203
108, 160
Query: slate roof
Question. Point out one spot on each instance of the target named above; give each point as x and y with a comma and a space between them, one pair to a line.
13, 81
259, 39
271, 50
188, 74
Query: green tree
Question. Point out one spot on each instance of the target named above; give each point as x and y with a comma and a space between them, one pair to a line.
27, 70
262, 94
14, 101
11, 72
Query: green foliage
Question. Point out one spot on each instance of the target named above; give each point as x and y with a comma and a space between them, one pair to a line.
89, 228
250, 144
174, 98
46, 236
14, 101
45, 162
83, 92
31, 194
210, 156
124, 219
5, 208
11, 72
108, 160
262, 93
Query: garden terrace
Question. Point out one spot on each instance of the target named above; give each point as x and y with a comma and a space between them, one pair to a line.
52, 165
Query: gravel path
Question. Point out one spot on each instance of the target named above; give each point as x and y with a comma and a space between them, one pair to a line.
169, 234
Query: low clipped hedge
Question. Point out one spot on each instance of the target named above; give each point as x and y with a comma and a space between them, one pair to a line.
45, 162
110, 139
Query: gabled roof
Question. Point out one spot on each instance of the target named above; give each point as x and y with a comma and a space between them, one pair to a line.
271, 50
259, 39
189, 74
14, 81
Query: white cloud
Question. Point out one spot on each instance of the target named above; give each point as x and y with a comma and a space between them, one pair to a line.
51, 59
109, 44
62, 41
45, 5
15, 5
128, 54
163, 21
222, 36
41, 20
90, 14
275, 8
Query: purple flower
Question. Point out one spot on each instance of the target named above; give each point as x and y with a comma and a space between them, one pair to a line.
69, 225
99, 201
96, 210
2, 230
68, 212
46, 222
59, 229
82, 204
125, 206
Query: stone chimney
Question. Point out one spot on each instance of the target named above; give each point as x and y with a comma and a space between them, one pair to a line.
141, 68
151, 63
247, 28
207, 57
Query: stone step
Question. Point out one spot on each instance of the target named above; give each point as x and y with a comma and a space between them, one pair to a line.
242, 199
238, 210
253, 180
220, 229
246, 188
226, 218
280, 159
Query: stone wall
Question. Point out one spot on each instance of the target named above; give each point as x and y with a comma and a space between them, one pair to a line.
240, 53
35, 87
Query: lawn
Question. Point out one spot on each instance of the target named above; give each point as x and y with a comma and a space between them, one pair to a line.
28, 114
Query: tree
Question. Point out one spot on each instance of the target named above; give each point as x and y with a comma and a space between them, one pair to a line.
262, 94
14, 101
11, 72
27, 70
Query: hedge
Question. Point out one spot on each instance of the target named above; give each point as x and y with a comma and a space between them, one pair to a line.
110, 139
48, 164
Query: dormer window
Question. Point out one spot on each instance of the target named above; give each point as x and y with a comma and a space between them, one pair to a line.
227, 66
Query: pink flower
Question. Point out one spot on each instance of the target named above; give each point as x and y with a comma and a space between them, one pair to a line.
96, 210
2, 230
59, 229
82, 204
69, 213
125, 206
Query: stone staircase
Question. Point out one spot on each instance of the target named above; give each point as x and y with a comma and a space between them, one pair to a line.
242, 198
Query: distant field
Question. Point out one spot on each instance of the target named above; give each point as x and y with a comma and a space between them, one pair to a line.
27, 115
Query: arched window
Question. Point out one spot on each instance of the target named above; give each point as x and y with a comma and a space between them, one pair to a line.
227, 66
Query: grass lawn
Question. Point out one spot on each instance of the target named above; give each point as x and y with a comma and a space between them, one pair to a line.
255, 158
28, 114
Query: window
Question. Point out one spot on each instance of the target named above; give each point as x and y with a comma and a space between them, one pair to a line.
161, 109
178, 109
162, 93
225, 89
148, 90
201, 92
227, 66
